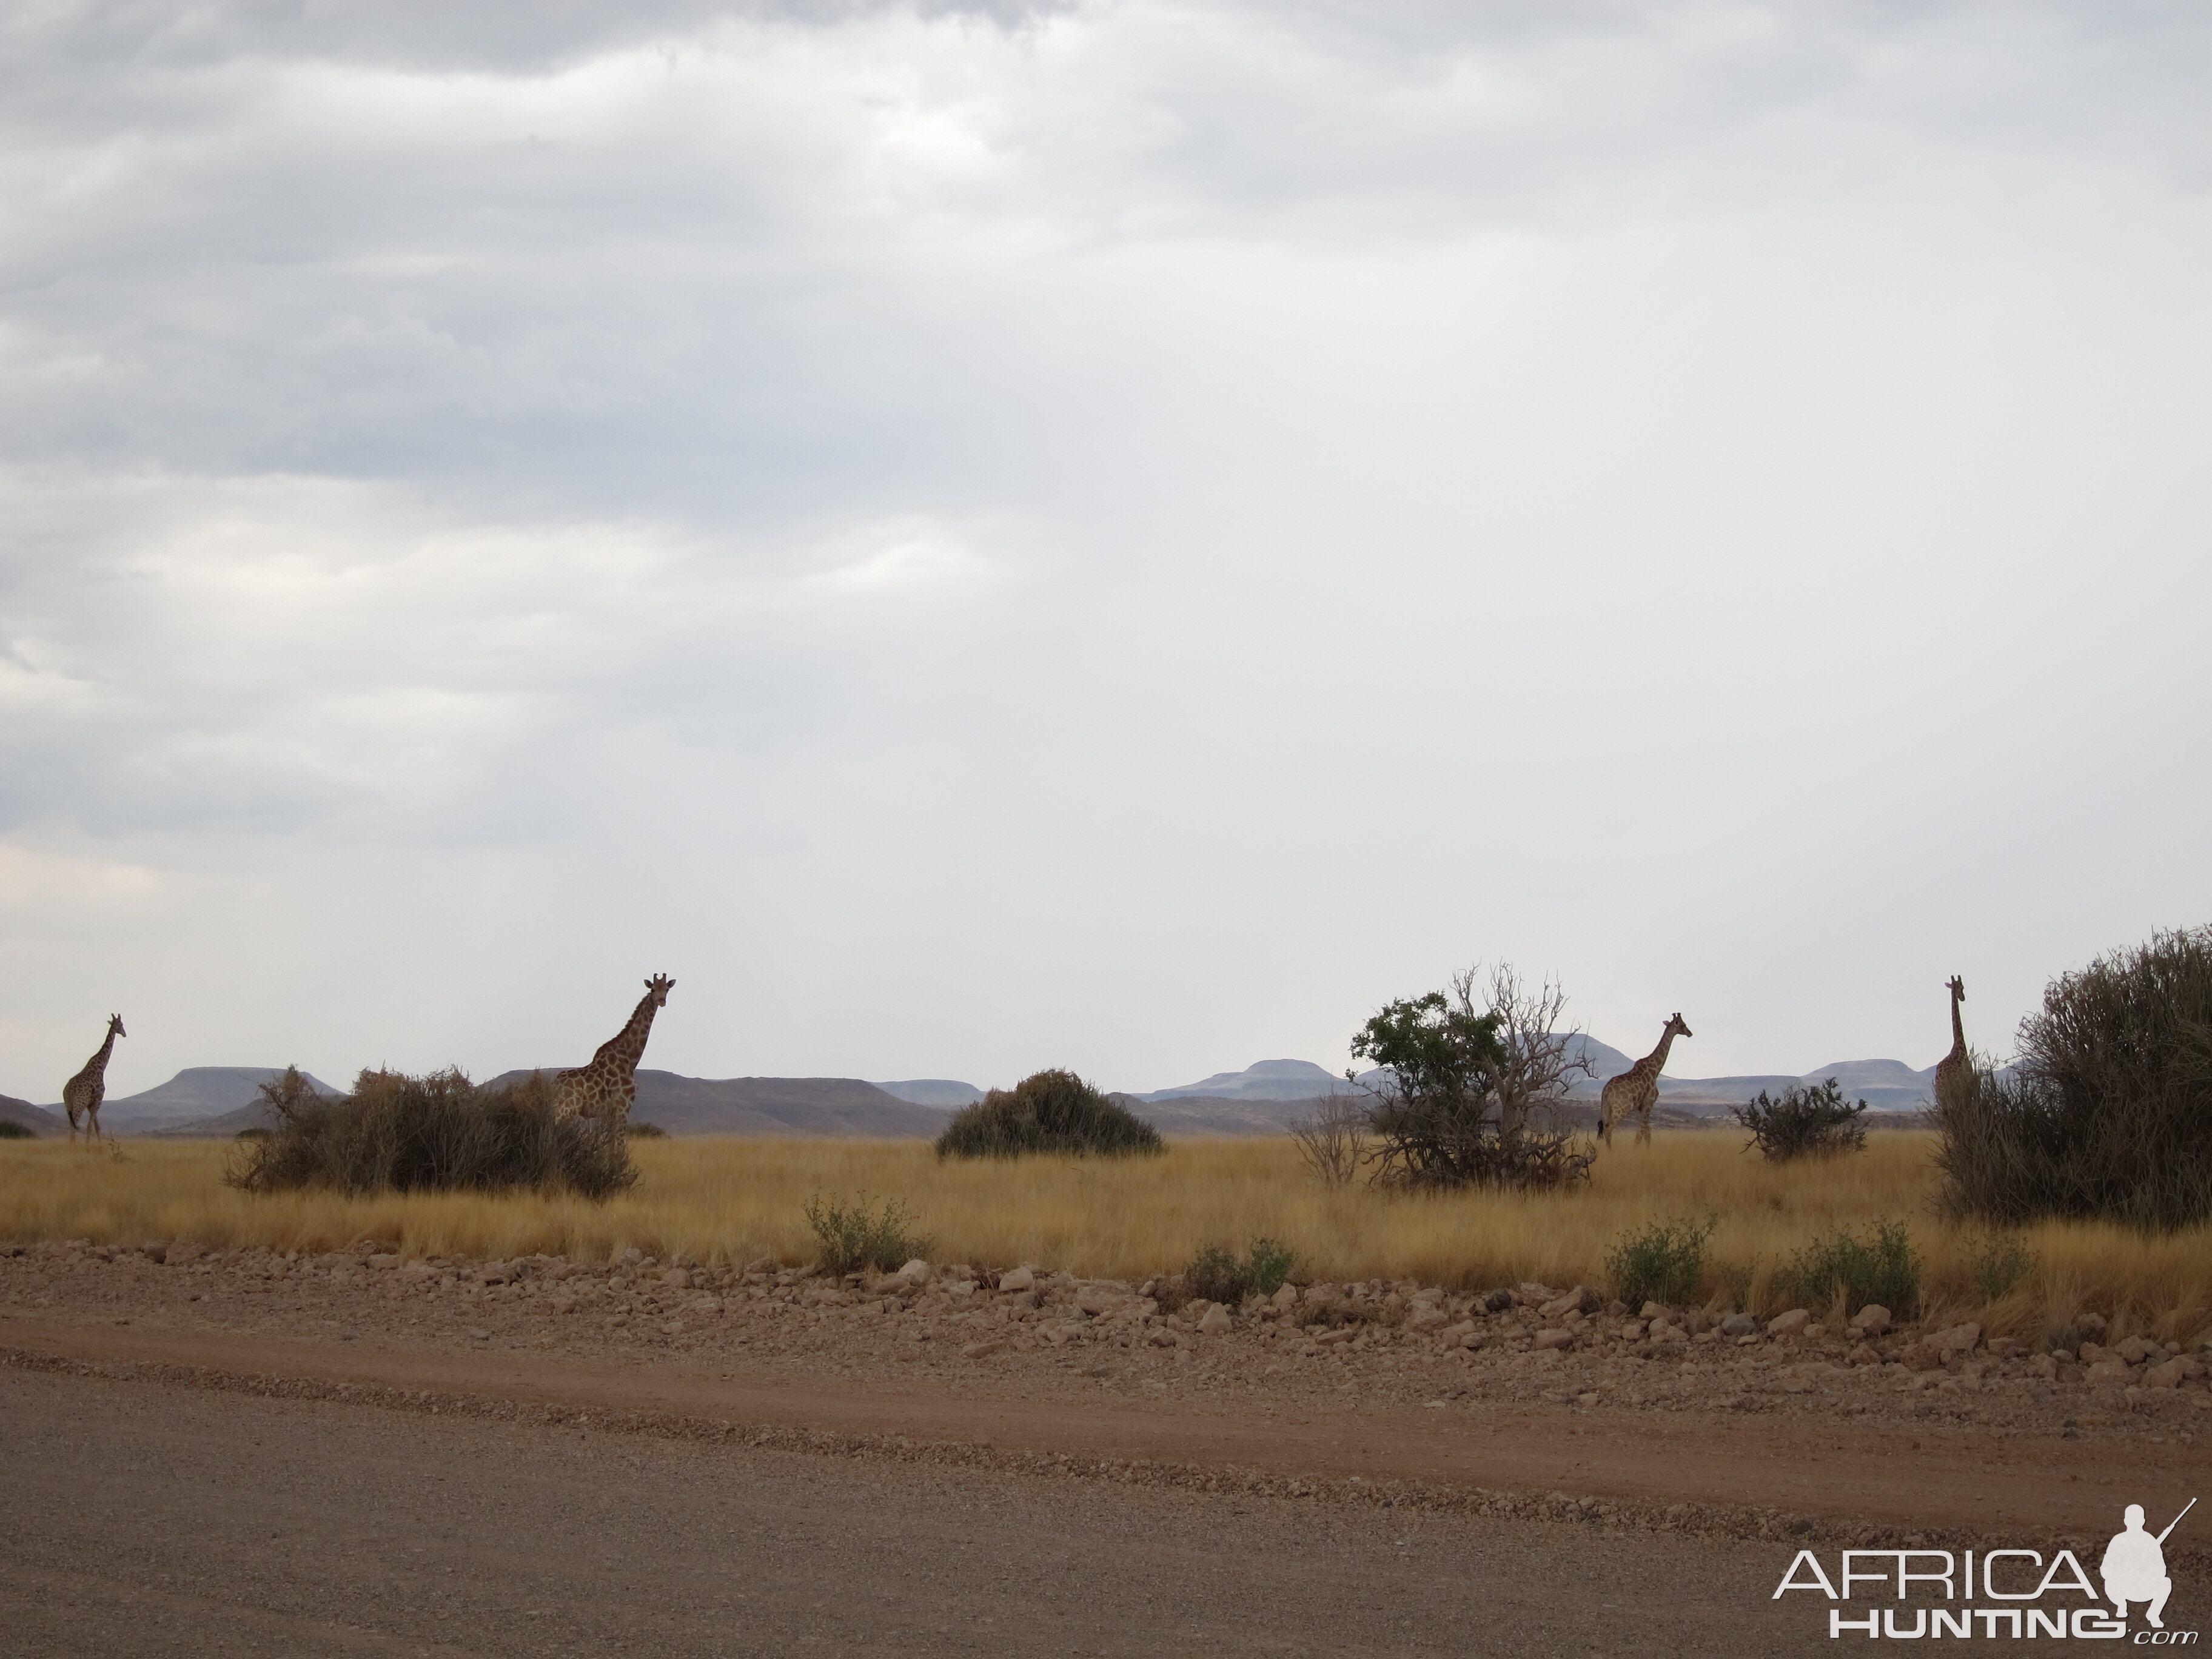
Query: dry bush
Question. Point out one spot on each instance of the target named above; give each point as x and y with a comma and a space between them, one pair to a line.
1332, 1141
1816, 1122
1047, 1112
2108, 1110
436, 1134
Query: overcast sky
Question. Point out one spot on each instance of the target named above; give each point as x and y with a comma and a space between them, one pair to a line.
1121, 536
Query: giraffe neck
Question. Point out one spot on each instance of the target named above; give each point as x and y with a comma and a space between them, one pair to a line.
98, 1064
626, 1046
1958, 1029
1656, 1062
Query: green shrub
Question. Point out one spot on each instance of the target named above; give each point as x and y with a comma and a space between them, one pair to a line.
1047, 1112
1803, 1123
647, 1132
439, 1132
1999, 1263
2107, 1111
1882, 1268
1665, 1262
1219, 1275
855, 1236
11, 1130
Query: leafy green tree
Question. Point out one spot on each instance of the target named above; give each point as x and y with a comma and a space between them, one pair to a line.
1460, 1082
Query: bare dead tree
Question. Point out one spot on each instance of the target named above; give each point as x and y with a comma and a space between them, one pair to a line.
1538, 1062
1332, 1138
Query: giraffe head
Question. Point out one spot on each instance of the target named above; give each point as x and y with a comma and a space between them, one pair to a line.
660, 985
115, 1026
1957, 987
1675, 1028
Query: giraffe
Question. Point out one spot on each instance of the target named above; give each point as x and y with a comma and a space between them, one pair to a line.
607, 1088
84, 1091
1636, 1089
1956, 1068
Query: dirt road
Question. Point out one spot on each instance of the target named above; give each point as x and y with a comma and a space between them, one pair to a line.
152, 1521
162, 1497
249, 1453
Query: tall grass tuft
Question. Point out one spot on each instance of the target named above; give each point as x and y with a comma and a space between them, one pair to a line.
1047, 1112
11, 1130
439, 1133
2108, 1111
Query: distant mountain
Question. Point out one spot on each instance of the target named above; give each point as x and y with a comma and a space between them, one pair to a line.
195, 1093
1268, 1079
1217, 1114
933, 1091
1886, 1085
37, 1119
774, 1106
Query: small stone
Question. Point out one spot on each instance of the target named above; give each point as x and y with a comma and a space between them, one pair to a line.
2167, 1376
1652, 1311
1739, 1324
1865, 1354
1792, 1323
1287, 1297
480, 1335
1589, 1399
2137, 1349
2089, 1324
2108, 1372
496, 1273
1957, 1338
679, 1276
1872, 1319
1215, 1321
1427, 1318
1925, 1357
1018, 1278
384, 1261
916, 1271
564, 1303
1497, 1302
1581, 1300
1555, 1339
984, 1349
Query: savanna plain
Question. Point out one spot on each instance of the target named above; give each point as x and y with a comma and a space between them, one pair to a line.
1445, 1431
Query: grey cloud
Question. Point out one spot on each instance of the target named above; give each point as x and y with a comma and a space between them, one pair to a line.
875, 490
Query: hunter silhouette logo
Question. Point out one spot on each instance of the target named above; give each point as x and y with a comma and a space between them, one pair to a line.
2133, 1567
2021, 1594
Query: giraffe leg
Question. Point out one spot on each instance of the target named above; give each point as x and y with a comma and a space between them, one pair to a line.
1644, 1125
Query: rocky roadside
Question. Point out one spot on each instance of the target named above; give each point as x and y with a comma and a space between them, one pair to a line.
1042, 1334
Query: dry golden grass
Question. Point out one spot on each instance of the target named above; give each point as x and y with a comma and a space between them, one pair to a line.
728, 1199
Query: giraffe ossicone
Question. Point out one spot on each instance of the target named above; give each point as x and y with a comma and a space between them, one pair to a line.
82, 1094
1636, 1089
607, 1088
